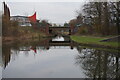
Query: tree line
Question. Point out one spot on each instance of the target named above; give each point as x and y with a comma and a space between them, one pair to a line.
99, 18
9, 28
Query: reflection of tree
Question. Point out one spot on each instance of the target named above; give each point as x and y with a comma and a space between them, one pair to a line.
6, 55
11, 51
98, 64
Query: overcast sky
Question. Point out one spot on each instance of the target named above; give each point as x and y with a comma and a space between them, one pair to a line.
54, 12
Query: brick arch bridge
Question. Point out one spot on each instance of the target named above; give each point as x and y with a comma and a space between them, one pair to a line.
59, 30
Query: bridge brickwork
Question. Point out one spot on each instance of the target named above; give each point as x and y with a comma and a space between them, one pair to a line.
55, 29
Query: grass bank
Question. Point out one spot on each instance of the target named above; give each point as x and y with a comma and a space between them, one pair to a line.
90, 40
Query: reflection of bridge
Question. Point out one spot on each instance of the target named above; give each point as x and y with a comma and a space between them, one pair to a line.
49, 43
59, 43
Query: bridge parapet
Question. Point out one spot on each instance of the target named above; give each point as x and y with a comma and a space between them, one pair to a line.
59, 30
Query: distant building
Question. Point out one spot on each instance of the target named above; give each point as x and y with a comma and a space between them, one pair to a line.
22, 20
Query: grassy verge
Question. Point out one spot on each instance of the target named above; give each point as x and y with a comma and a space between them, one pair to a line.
94, 40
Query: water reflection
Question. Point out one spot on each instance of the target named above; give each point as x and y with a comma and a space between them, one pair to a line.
58, 58
0, 61
99, 63
58, 38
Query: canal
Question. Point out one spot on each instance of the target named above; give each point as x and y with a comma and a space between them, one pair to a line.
58, 57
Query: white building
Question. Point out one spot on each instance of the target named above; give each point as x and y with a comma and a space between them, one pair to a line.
22, 20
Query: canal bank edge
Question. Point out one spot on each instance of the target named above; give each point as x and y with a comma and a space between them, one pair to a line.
95, 42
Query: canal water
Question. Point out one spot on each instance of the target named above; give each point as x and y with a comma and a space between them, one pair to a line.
58, 57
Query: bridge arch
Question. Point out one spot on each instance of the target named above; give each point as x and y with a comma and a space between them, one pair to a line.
57, 30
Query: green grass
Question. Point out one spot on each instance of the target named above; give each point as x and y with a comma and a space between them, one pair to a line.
93, 40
